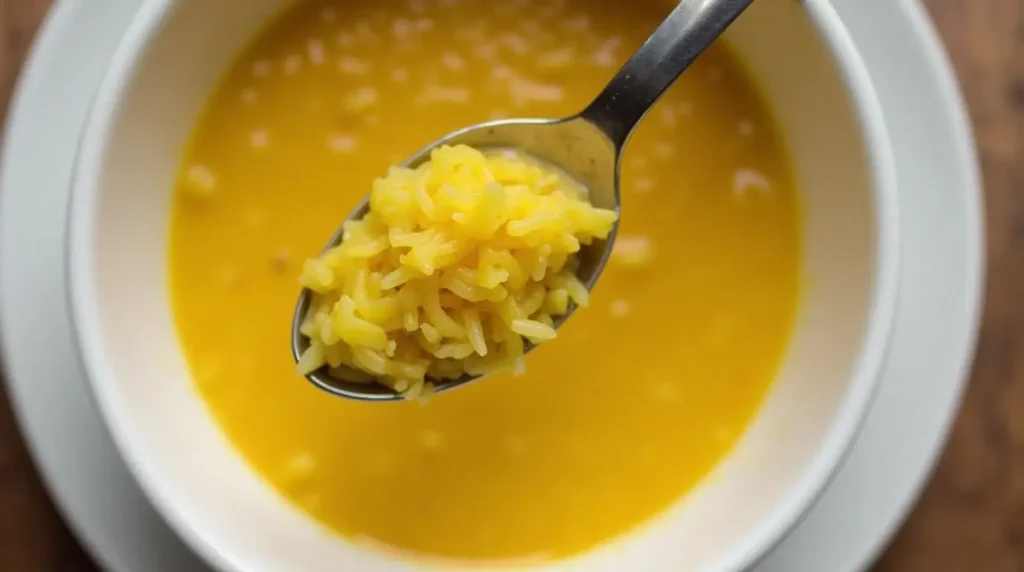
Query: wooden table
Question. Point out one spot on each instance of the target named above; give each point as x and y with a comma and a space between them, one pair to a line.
971, 517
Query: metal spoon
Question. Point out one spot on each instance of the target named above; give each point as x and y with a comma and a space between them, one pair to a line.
588, 146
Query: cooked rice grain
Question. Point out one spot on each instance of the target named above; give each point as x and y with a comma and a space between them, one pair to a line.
456, 263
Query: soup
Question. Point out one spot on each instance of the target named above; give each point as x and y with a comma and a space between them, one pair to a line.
642, 393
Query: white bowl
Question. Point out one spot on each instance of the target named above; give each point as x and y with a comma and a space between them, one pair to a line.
167, 67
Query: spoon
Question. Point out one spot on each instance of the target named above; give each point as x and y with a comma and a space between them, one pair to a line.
588, 146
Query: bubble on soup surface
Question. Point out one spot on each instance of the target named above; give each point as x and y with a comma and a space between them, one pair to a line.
259, 138
360, 99
316, 52
632, 250
300, 466
353, 66
606, 54
341, 143
249, 96
441, 94
643, 185
345, 39
524, 91
516, 43
402, 28
292, 64
619, 308
664, 150
200, 181
746, 180
577, 23
486, 52
452, 61
557, 59
431, 440
669, 116
400, 75
261, 68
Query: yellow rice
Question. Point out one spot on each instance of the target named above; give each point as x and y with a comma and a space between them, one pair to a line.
459, 262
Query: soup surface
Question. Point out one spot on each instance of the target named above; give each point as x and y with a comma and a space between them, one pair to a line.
641, 394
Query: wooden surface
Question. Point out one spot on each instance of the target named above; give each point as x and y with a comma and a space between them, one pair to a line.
971, 517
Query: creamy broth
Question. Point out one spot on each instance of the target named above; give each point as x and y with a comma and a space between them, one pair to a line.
640, 396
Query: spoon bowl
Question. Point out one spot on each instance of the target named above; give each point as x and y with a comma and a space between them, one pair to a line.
587, 146
575, 145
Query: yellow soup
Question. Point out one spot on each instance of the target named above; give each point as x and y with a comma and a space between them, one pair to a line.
640, 395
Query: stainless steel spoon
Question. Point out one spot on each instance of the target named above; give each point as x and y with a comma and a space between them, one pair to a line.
588, 146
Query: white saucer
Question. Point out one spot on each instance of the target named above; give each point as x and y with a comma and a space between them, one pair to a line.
935, 333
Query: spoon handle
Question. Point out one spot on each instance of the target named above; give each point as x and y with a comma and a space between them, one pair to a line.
685, 34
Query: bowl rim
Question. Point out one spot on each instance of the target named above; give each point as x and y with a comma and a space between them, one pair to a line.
771, 529
880, 326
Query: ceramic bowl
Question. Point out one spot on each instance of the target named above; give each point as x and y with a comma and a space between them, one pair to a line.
166, 68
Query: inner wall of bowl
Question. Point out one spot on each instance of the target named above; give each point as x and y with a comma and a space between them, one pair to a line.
206, 488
